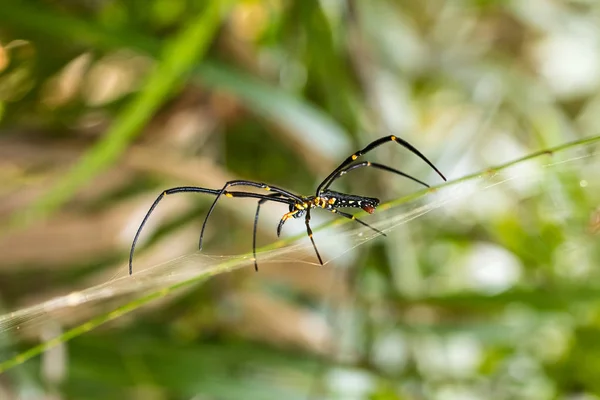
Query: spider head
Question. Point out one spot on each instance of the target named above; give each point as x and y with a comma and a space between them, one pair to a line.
299, 213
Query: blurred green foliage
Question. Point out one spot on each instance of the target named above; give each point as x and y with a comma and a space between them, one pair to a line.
105, 103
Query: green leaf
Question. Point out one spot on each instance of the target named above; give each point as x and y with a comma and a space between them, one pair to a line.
179, 55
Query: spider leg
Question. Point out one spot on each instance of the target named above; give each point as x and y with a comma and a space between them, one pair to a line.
158, 199
194, 189
288, 197
310, 235
370, 147
285, 217
260, 202
352, 217
374, 165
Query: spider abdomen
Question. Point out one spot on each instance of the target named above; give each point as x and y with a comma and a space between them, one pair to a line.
333, 199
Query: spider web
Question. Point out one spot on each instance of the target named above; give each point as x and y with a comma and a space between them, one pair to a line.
336, 240
333, 240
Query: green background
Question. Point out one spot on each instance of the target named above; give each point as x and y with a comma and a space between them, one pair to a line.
492, 294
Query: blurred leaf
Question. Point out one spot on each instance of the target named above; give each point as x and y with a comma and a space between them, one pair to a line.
179, 54
310, 125
25, 17
190, 369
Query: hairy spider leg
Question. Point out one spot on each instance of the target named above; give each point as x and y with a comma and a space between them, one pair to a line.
310, 234
291, 198
374, 165
370, 147
196, 190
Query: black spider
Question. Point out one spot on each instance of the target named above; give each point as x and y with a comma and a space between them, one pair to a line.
300, 206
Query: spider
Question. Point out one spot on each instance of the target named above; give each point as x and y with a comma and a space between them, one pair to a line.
299, 205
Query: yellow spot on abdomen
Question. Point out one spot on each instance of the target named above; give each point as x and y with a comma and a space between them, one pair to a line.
228, 195
354, 156
393, 138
